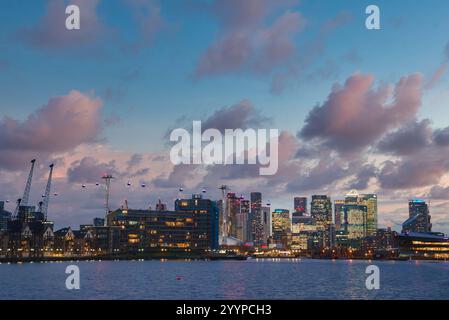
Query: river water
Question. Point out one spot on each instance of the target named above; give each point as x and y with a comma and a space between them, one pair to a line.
252, 279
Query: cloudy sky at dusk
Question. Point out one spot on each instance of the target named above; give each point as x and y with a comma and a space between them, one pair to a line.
356, 108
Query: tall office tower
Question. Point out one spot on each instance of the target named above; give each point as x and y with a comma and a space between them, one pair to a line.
339, 214
321, 210
233, 208
256, 218
266, 222
242, 223
370, 201
300, 205
419, 217
256, 200
281, 227
355, 220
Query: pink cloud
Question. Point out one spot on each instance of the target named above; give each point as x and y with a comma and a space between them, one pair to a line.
247, 41
62, 124
89, 170
357, 114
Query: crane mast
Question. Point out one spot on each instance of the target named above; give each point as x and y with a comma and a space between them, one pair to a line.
26, 193
47, 193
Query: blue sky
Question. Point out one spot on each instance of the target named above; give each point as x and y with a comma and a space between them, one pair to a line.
146, 88
166, 65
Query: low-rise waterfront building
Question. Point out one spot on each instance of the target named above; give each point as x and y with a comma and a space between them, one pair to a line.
420, 245
191, 227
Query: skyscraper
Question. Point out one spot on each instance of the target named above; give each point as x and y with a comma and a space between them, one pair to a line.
339, 214
370, 218
242, 223
256, 200
355, 220
419, 217
321, 209
370, 201
321, 212
281, 227
300, 205
266, 222
233, 212
256, 218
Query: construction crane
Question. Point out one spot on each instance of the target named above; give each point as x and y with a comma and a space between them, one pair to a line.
16, 211
46, 195
26, 193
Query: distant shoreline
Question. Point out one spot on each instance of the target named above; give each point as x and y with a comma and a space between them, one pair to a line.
185, 258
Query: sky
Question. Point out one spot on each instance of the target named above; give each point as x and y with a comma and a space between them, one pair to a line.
356, 108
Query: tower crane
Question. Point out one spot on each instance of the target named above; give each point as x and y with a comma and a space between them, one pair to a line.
47, 193
26, 193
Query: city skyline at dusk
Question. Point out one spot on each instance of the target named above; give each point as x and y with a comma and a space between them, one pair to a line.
365, 114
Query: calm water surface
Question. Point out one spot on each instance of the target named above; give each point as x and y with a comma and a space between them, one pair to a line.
252, 279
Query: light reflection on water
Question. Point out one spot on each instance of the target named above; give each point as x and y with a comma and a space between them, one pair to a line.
252, 279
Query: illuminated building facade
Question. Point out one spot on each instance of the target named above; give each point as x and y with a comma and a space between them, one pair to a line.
339, 214
30, 235
257, 228
233, 208
303, 226
281, 227
267, 224
356, 216
89, 240
192, 227
5, 216
355, 221
385, 239
370, 202
300, 207
242, 221
418, 245
419, 217
321, 210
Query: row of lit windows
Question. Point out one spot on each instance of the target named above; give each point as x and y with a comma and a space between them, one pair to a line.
431, 243
430, 249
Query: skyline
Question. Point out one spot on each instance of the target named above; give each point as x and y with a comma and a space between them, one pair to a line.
366, 113
104, 183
